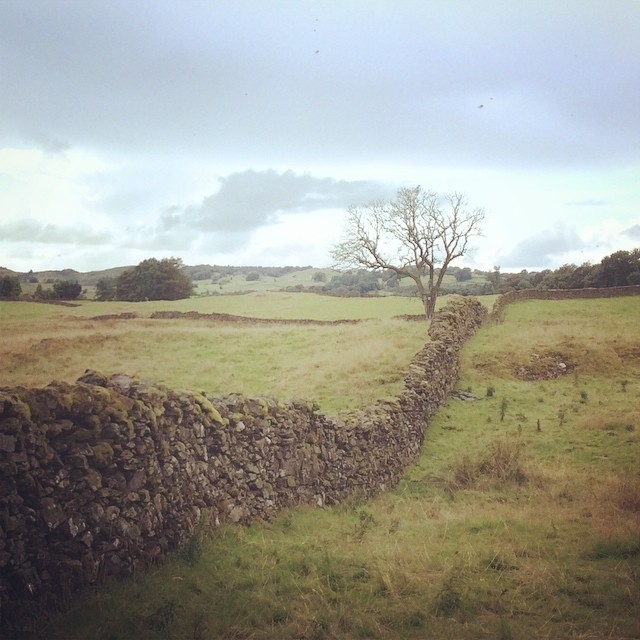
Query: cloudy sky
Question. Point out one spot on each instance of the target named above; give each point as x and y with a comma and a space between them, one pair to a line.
238, 132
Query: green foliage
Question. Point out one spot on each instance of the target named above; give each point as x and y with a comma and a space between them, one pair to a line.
617, 548
618, 268
154, 279
66, 290
464, 274
494, 277
60, 290
10, 287
353, 282
319, 276
105, 289
43, 294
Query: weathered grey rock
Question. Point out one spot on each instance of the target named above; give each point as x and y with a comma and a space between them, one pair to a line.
7, 443
52, 513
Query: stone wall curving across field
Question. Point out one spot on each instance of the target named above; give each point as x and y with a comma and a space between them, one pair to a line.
105, 476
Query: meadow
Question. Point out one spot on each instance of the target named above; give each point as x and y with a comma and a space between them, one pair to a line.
340, 366
303, 279
521, 518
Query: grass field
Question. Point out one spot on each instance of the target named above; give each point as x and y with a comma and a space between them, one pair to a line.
339, 366
300, 278
237, 283
520, 520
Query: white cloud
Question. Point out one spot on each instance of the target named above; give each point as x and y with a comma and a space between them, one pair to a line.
35, 232
44, 187
543, 249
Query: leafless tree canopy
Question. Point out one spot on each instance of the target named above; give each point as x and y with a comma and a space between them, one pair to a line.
417, 235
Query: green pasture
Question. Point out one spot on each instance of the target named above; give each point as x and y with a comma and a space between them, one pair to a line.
520, 520
231, 284
302, 305
340, 366
238, 282
269, 304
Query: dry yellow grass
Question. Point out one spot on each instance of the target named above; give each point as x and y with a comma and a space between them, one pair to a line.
338, 366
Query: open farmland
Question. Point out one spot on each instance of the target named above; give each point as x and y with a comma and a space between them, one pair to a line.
339, 365
520, 519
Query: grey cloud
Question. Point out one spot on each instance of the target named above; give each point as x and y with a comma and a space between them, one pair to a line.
242, 79
49, 143
163, 236
164, 241
170, 218
37, 232
633, 232
135, 188
251, 199
541, 248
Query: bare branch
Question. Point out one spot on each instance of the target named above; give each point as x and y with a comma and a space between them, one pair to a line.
418, 234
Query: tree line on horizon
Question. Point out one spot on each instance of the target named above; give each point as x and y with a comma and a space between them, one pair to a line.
170, 279
618, 269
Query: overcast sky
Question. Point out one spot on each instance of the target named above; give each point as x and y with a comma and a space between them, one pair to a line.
238, 132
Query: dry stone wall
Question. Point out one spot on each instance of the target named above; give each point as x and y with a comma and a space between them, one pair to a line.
560, 294
105, 476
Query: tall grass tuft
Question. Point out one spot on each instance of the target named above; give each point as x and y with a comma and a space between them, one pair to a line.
624, 492
449, 599
501, 463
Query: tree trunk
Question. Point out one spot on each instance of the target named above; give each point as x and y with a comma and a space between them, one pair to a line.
429, 302
430, 305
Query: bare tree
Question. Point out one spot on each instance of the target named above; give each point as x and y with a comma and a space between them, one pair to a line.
417, 235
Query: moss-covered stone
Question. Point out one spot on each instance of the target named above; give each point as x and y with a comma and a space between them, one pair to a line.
93, 423
83, 435
93, 479
208, 409
102, 454
12, 406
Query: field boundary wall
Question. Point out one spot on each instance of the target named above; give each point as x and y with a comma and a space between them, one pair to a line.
103, 477
497, 313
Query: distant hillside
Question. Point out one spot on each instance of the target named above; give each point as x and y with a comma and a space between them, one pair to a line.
86, 279
195, 272
227, 279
